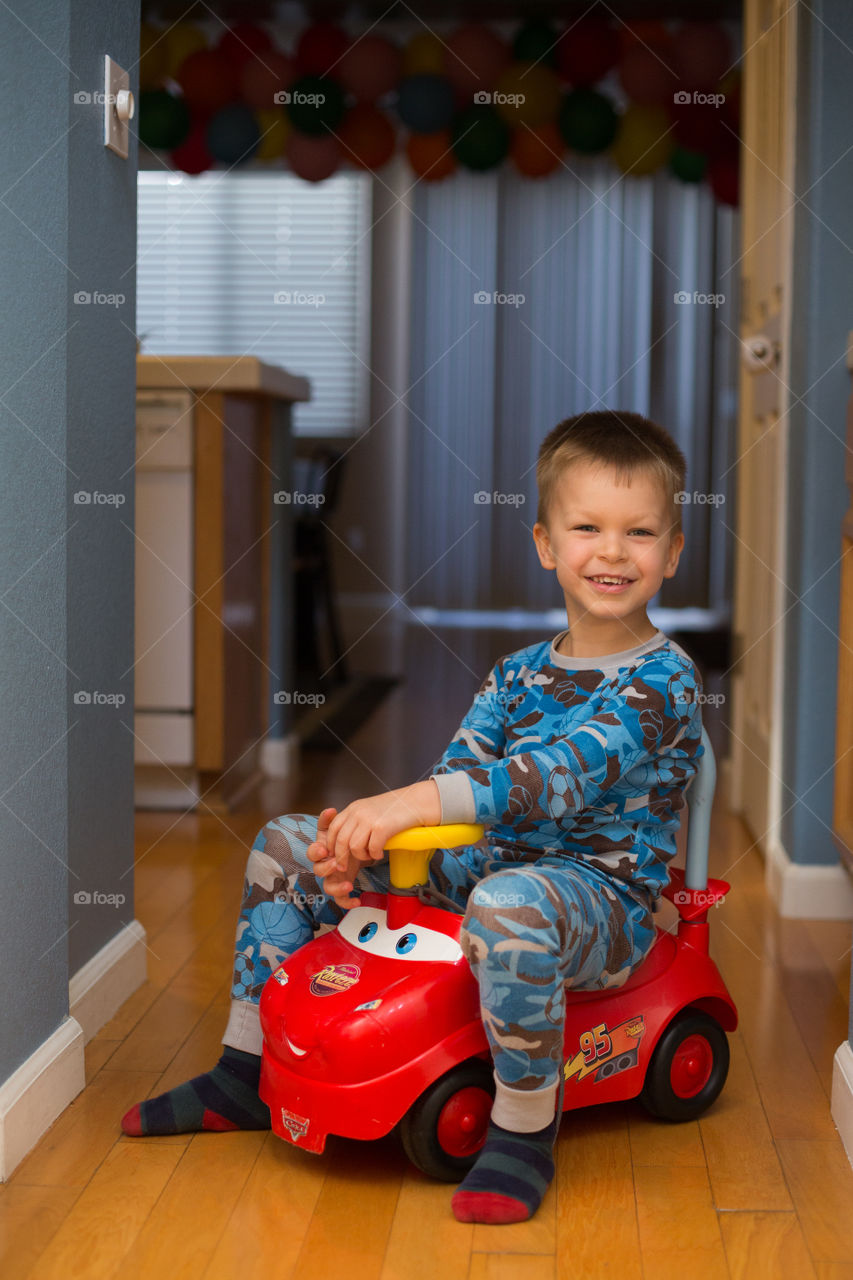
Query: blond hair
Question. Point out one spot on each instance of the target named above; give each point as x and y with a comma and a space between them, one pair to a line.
626, 442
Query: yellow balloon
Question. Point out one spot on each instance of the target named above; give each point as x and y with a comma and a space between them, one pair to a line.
423, 54
275, 130
527, 94
644, 142
152, 56
180, 41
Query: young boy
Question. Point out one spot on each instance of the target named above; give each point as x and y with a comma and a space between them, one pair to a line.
575, 755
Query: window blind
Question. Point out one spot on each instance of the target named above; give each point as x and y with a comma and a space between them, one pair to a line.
262, 264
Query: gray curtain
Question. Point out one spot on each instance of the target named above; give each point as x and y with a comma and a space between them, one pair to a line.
586, 266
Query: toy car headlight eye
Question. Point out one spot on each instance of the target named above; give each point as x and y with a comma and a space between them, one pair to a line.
367, 931
406, 943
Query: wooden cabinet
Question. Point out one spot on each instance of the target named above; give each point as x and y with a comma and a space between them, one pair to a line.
212, 564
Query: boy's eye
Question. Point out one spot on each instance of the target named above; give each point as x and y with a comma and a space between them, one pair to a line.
582, 528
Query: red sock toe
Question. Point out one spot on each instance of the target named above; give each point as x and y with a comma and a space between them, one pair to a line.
131, 1122
486, 1206
215, 1123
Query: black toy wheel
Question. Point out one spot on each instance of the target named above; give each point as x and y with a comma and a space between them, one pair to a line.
444, 1130
688, 1067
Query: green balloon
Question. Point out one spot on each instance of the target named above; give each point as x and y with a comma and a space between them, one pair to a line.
536, 41
480, 138
164, 120
587, 121
316, 105
689, 166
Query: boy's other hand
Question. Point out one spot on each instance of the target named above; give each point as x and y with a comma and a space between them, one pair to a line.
337, 881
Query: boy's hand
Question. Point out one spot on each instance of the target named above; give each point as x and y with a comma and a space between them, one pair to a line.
362, 829
337, 882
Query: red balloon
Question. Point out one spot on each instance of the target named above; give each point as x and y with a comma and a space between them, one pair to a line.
648, 31
587, 50
262, 78
243, 41
431, 155
701, 127
474, 58
192, 156
703, 54
320, 47
313, 158
371, 67
648, 75
367, 136
537, 152
208, 80
724, 179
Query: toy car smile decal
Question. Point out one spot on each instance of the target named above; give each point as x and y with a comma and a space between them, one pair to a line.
607, 1052
366, 928
334, 978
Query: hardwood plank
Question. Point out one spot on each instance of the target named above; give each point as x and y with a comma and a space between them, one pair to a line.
181, 1234
107, 1216
597, 1228
515, 1266
270, 1219
425, 1239
656, 1141
353, 1217
821, 1182
743, 1164
679, 1230
29, 1219
71, 1150
765, 1246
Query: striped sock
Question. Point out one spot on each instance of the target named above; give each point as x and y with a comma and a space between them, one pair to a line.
512, 1174
224, 1098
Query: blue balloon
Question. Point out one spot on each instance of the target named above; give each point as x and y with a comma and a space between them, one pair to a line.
425, 103
233, 135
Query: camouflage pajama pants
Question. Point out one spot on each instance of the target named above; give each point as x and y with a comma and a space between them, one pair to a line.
531, 929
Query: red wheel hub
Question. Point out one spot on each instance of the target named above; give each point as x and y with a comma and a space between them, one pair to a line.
463, 1122
691, 1068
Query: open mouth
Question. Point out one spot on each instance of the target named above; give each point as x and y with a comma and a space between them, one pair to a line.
610, 582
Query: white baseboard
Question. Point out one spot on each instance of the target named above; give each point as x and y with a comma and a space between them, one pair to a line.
41, 1088
842, 1095
98, 989
280, 756
804, 892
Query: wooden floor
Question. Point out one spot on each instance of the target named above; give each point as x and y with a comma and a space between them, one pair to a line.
760, 1187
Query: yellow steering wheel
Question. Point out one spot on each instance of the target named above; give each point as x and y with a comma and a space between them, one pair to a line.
409, 851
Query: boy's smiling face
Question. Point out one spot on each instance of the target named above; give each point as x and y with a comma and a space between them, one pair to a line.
597, 528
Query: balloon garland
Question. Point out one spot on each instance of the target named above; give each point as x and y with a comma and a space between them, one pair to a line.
470, 99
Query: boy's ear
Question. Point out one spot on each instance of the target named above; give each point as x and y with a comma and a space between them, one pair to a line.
543, 546
676, 546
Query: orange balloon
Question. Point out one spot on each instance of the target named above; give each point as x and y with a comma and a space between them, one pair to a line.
263, 77
474, 58
313, 159
367, 136
537, 152
527, 94
431, 155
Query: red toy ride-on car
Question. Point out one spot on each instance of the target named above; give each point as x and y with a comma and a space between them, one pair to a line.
376, 1023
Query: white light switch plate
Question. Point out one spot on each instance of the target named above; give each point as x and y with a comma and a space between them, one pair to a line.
118, 107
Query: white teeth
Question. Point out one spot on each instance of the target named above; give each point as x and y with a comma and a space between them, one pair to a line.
612, 581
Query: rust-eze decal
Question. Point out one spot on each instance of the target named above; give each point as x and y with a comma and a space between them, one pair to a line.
599, 1045
334, 978
281, 976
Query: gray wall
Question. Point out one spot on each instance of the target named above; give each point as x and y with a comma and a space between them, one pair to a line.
67, 378
820, 386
